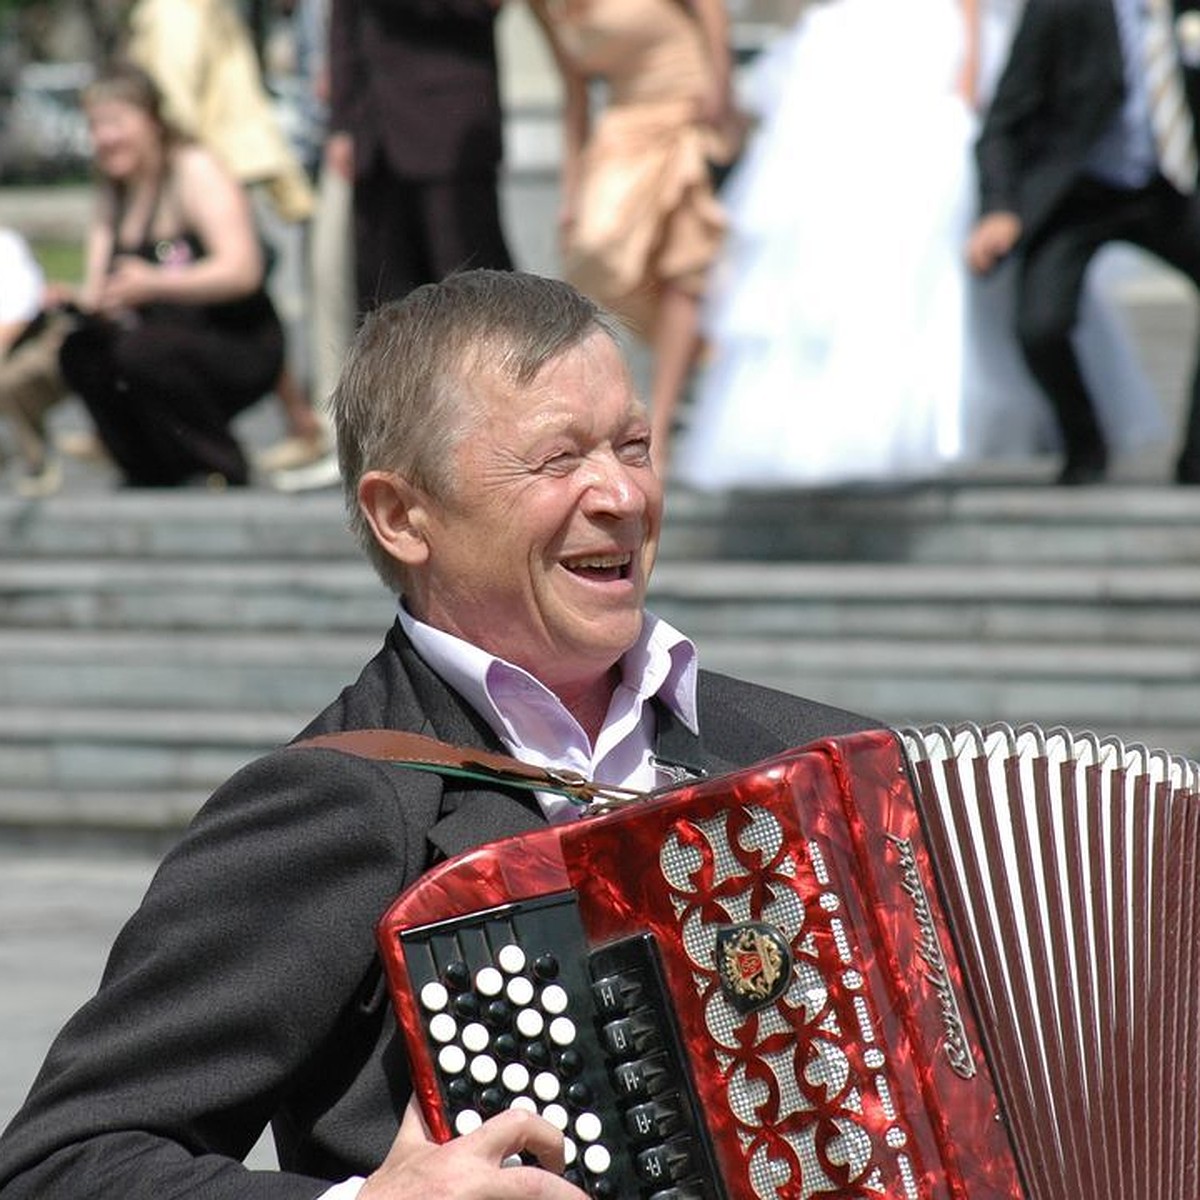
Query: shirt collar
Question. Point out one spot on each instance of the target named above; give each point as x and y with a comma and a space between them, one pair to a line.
662, 663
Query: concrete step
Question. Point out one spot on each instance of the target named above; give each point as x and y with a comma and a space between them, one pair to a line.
1120, 602
185, 593
88, 749
1026, 524
89, 700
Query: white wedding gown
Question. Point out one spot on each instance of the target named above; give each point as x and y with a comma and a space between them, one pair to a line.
848, 342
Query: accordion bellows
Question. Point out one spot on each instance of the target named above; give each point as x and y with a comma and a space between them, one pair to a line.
912, 964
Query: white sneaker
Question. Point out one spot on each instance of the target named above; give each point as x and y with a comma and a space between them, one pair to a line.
323, 473
39, 484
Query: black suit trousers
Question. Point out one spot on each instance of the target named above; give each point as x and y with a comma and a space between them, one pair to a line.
1053, 266
410, 232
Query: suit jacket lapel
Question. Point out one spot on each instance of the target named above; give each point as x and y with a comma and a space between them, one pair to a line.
676, 746
470, 813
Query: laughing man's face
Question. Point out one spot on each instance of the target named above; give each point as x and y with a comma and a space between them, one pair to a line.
542, 553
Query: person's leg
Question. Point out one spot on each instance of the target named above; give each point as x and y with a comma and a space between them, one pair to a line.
31, 383
331, 282
88, 363
675, 344
460, 220
1168, 225
1048, 292
177, 389
389, 253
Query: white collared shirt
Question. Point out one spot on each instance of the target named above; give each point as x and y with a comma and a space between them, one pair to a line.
535, 725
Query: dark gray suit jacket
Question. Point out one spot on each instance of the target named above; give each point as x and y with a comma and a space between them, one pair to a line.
246, 989
1063, 84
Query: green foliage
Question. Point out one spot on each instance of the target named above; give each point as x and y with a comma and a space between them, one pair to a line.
61, 260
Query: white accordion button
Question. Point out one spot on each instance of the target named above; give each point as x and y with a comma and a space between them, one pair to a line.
451, 1059
562, 1031
489, 982
475, 1037
588, 1127
442, 1027
515, 1077
570, 1153
524, 1103
467, 1121
484, 1068
530, 1023
519, 991
434, 996
554, 998
557, 1116
546, 1085
597, 1159
511, 959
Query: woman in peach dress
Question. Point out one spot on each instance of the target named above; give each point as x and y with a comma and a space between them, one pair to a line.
639, 224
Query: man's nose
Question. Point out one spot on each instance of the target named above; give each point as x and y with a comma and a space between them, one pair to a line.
615, 485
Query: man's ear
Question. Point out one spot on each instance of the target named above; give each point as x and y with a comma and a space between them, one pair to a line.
397, 513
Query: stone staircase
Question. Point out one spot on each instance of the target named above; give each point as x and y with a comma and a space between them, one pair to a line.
151, 643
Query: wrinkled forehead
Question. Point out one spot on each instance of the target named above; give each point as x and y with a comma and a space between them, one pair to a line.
492, 374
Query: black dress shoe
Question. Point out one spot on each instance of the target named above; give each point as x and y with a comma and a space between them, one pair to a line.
1082, 469
1187, 472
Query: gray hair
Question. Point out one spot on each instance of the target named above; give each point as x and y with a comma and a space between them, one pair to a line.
398, 407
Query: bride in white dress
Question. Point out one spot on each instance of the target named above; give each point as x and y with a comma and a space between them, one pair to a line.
848, 342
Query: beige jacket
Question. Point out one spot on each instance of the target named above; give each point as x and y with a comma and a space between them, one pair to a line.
200, 54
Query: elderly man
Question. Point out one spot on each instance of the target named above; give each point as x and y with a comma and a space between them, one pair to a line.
497, 466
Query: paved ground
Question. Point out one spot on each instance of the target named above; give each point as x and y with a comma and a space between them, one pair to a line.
58, 915
59, 912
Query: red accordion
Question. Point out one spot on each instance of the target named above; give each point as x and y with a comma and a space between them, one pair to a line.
942, 963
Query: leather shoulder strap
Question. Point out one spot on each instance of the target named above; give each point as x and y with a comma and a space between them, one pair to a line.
429, 754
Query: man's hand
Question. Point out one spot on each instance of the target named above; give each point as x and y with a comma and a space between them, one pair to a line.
469, 1167
993, 237
339, 155
132, 282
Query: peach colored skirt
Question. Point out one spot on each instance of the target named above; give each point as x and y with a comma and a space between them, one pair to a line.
646, 216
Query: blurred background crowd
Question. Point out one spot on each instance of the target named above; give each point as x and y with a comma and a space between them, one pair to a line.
777, 197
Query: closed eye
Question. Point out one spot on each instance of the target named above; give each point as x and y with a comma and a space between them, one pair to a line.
635, 451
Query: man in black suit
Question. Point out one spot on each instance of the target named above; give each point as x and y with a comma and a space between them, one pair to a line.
415, 123
497, 466
1070, 158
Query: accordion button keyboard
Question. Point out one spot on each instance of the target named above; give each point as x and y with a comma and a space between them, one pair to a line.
518, 1012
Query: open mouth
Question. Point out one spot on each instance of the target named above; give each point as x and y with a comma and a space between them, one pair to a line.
601, 568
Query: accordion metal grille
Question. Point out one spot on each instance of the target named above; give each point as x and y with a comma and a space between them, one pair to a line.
1068, 867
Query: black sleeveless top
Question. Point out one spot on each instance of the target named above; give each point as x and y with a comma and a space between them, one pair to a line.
246, 313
